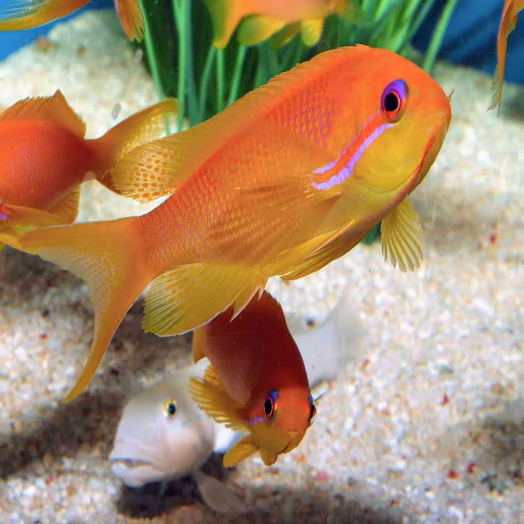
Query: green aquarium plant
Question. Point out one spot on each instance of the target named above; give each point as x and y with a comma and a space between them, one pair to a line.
183, 62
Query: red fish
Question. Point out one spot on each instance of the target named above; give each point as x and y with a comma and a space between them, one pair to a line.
282, 182
507, 24
45, 158
257, 381
16, 15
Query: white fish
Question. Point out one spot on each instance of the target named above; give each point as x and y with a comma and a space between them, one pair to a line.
163, 435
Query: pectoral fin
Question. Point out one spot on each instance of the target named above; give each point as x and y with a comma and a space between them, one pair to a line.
212, 399
403, 237
244, 449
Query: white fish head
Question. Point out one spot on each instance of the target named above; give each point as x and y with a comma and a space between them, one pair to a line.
162, 434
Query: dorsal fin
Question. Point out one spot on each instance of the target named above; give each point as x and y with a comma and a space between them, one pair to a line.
52, 108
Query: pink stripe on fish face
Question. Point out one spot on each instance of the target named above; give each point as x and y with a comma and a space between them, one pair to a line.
347, 169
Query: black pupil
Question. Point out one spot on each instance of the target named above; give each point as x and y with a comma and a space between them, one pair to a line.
171, 408
268, 407
391, 102
313, 411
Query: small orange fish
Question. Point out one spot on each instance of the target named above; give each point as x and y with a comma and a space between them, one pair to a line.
256, 383
282, 182
16, 15
45, 158
507, 24
267, 17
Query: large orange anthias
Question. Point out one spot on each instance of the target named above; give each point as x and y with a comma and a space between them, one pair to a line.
284, 181
257, 381
45, 158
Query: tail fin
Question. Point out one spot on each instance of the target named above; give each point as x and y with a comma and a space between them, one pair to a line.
99, 254
328, 348
225, 15
138, 129
16, 15
131, 18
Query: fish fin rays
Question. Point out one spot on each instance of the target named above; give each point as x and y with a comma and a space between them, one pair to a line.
241, 451
191, 295
16, 15
403, 237
67, 207
138, 129
214, 401
53, 108
96, 253
311, 30
257, 28
131, 18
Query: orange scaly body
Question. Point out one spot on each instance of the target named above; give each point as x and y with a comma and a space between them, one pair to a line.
16, 15
45, 158
507, 24
284, 181
257, 381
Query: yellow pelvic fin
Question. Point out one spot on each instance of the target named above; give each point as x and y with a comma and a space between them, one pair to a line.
52, 108
16, 15
284, 36
225, 15
97, 253
267, 457
131, 18
257, 28
241, 451
126, 136
403, 237
212, 399
189, 296
311, 30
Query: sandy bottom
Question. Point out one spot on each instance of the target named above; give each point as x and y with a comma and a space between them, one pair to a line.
426, 426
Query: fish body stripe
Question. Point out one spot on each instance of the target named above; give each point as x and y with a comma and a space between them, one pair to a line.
354, 156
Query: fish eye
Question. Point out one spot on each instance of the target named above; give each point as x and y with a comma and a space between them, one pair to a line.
270, 404
170, 407
312, 410
393, 100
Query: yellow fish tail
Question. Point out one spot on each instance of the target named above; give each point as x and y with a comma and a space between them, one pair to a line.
138, 129
97, 253
16, 15
225, 15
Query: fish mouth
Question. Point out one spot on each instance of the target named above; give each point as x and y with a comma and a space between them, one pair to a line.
132, 463
410, 183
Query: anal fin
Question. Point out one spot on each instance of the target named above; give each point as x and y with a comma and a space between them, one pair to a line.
311, 30
189, 296
257, 28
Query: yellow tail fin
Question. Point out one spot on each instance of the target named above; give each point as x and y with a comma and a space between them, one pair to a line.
138, 129
98, 253
16, 15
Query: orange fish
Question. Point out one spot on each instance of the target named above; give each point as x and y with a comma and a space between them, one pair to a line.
256, 383
267, 17
16, 15
282, 182
45, 158
507, 24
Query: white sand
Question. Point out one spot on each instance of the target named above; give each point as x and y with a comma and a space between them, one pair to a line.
429, 428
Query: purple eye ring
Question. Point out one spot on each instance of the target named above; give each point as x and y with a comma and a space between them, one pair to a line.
393, 100
270, 403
